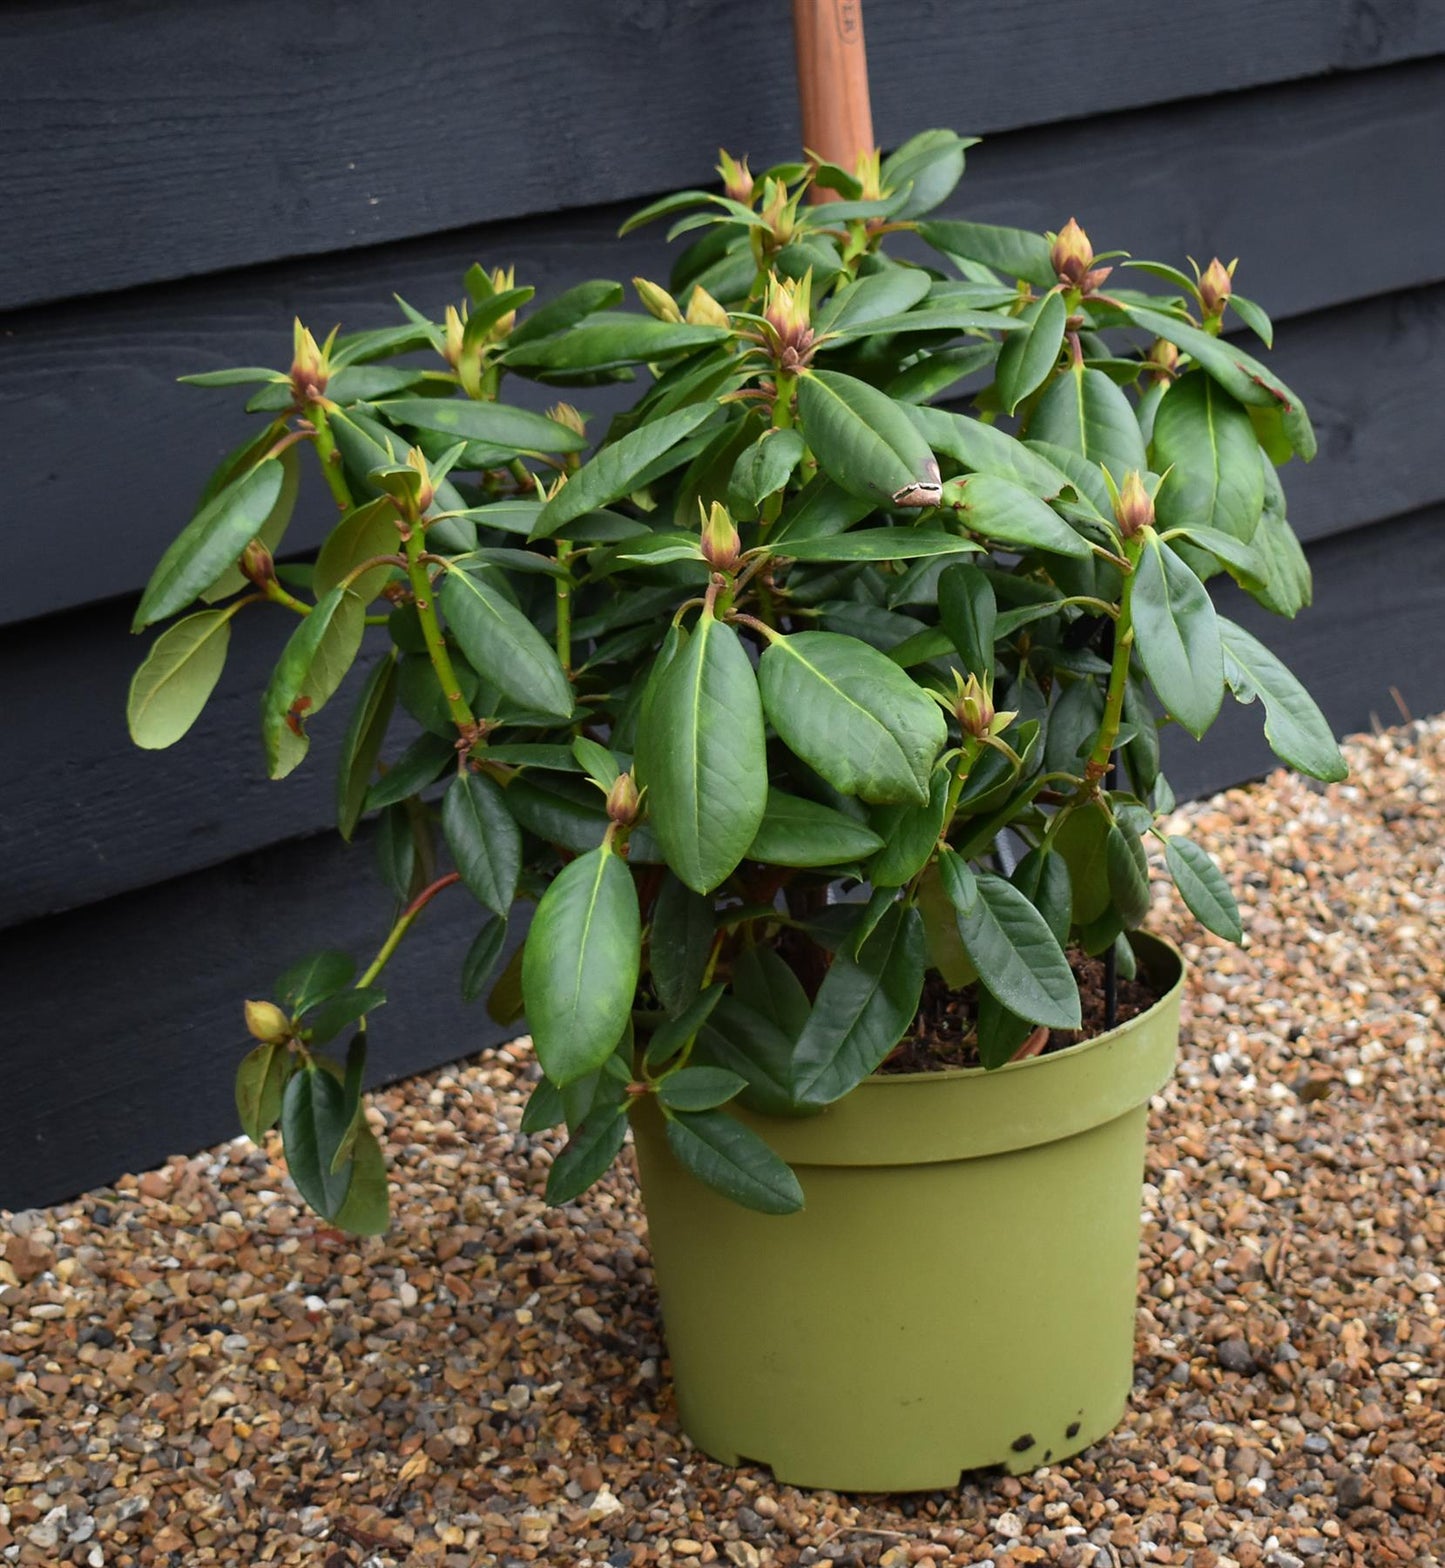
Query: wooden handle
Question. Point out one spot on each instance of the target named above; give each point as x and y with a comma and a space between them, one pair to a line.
833, 81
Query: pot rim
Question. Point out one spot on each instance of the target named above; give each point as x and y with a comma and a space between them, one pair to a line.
1166, 947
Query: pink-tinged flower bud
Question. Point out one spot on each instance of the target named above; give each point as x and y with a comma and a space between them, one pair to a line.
564, 414
1216, 285
787, 311
1134, 506
704, 311
736, 177
1164, 355
256, 564
623, 801
266, 1022
1071, 254
310, 366
656, 301
721, 546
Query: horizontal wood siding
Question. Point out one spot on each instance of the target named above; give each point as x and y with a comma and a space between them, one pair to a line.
216, 135
1316, 187
183, 178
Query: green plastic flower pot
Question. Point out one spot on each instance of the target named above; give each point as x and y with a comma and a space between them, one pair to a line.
958, 1292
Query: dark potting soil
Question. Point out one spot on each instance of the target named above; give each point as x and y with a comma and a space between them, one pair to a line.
943, 1033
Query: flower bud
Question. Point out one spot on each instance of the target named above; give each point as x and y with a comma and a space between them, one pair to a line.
1215, 286
736, 177
721, 546
704, 311
454, 335
503, 279
310, 366
623, 801
256, 564
426, 490
787, 311
1133, 506
974, 707
1071, 254
779, 213
1164, 354
266, 1022
869, 169
564, 414
656, 301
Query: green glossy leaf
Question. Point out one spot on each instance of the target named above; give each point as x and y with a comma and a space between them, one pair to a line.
1084, 412
212, 541
544, 1108
701, 753
879, 544
957, 881
1128, 871
1043, 879
260, 1086
1254, 317
1237, 372
419, 765
1288, 586
172, 685
570, 307
863, 440
1293, 724
1243, 561
930, 165
396, 857
861, 1011
235, 376
799, 832
367, 1209
273, 527
312, 980
910, 834
734, 1161
679, 944
482, 958
852, 715
764, 982
818, 511
945, 316
1018, 252
580, 965
337, 1012
362, 744
763, 468
985, 449
1000, 1032
1027, 358
1205, 441
969, 613
312, 665
504, 1001
1177, 636
314, 1120
514, 429
1000, 509
502, 645
871, 298
606, 342
1082, 844
1018, 958
367, 531
699, 1088
617, 469
484, 839
672, 1037
1202, 886
588, 1154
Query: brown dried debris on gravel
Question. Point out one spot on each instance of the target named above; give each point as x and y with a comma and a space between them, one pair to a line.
192, 1372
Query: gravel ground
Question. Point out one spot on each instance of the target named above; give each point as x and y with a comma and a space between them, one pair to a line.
192, 1373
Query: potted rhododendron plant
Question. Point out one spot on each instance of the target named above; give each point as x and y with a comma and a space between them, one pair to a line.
797, 736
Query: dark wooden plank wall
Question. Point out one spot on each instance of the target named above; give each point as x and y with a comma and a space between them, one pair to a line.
184, 178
